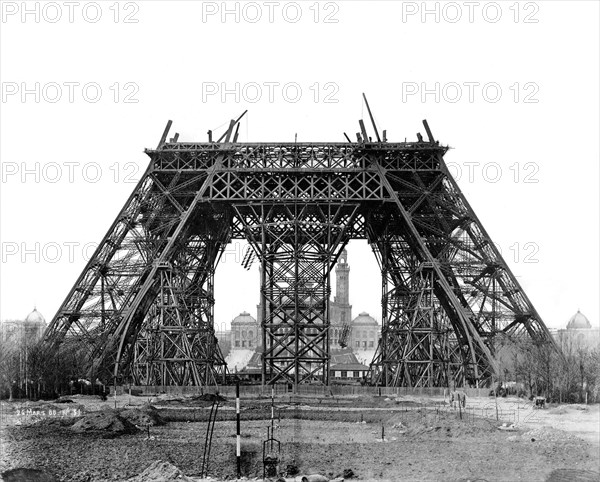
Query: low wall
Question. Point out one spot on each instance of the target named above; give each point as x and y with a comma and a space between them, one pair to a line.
310, 390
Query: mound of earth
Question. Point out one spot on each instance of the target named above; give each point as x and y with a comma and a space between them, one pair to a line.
422, 422
146, 415
572, 475
107, 421
54, 422
547, 434
210, 397
26, 475
558, 411
161, 471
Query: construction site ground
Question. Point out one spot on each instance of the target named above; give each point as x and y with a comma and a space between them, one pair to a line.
377, 438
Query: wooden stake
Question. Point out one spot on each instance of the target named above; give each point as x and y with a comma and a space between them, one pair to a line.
238, 449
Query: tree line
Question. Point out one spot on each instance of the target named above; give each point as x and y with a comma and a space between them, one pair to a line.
569, 375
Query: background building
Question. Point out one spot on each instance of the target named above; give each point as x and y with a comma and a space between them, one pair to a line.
30, 329
578, 333
340, 309
363, 332
245, 332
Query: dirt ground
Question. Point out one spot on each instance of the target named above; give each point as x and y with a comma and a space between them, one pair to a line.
377, 438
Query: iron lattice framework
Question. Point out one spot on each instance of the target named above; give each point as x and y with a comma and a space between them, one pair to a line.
143, 306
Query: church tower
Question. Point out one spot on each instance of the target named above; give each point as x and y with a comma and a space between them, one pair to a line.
342, 285
340, 310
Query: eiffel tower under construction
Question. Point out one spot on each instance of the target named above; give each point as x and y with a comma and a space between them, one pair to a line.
142, 310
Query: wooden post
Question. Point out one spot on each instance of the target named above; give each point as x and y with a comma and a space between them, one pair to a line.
238, 448
496, 399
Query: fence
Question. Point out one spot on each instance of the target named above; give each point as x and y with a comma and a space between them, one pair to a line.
311, 390
514, 411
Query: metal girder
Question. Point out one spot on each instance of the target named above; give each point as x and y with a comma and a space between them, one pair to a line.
160, 228
472, 284
143, 305
298, 245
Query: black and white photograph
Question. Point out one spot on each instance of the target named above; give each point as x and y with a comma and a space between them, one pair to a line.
300, 241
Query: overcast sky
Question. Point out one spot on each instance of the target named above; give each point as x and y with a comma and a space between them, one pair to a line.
511, 87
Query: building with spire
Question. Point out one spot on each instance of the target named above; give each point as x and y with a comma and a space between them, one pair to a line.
360, 338
340, 309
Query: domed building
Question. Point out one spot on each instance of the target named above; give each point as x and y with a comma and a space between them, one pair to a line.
245, 332
579, 333
34, 325
30, 329
579, 322
364, 332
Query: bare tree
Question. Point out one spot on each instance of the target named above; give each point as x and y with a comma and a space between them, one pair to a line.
9, 366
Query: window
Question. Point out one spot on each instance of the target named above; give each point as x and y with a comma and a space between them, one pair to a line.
244, 334
250, 343
250, 334
371, 344
364, 344
364, 334
343, 316
358, 344
356, 374
237, 343
243, 343
344, 374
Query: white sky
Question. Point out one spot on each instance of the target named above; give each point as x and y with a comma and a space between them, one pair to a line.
170, 56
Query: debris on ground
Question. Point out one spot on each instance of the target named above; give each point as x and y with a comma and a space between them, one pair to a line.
558, 411
108, 421
322, 439
210, 397
348, 474
573, 475
146, 415
26, 475
54, 422
315, 478
547, 434
160, 471
291, 470
508, 427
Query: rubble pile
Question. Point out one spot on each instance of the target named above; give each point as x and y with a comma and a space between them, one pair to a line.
108, 421
160, 471
146, 415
